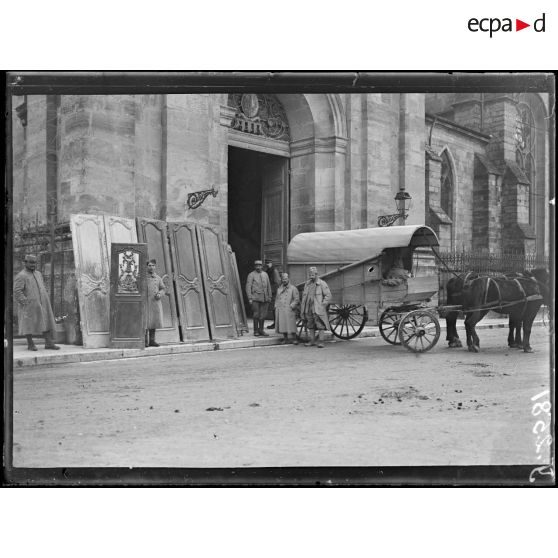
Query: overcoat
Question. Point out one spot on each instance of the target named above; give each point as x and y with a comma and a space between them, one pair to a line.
286, 304
154, 306
258, 286
322, 298
34, 312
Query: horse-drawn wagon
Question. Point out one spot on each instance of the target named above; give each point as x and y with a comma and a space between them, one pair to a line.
380, 276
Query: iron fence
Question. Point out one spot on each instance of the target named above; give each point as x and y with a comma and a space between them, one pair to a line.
486, 264
55, 260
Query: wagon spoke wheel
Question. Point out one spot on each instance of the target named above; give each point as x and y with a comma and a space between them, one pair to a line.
346, 321
389, 325
301, 330
419, 331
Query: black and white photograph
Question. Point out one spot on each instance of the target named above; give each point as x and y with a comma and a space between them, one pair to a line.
334, 278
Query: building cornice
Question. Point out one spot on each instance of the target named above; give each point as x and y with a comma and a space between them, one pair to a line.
307, 146
458, 128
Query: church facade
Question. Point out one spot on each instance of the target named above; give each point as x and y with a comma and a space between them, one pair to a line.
262, 168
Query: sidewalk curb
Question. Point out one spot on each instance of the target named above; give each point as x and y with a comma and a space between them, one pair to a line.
91, 355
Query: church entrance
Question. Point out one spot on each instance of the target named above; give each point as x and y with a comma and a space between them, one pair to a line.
258, 208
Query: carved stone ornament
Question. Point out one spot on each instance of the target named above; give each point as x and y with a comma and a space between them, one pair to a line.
260, 115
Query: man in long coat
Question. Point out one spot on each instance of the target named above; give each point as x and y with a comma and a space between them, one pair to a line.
155, 291
315, 298
286, 304
34, 312
258, 291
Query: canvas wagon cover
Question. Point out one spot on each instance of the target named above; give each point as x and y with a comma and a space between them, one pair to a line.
356, 245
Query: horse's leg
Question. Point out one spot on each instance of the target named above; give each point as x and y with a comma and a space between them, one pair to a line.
528, 319
511, 333
472, 319
451, 330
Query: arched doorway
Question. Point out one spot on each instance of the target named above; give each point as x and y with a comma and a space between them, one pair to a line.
286, 169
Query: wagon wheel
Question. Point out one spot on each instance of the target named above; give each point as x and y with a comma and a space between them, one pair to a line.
389, 325
301, 330
419, 331
346, 321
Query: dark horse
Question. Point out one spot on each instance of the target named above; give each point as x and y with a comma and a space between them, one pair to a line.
520, 295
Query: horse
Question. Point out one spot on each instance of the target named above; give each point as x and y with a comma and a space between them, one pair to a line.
520, 295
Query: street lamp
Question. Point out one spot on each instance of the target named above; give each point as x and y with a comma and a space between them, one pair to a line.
402, 205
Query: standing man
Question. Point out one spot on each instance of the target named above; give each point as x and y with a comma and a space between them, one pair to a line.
315, 298
34, 312
258, 291
286, 305
275, 280
155, 290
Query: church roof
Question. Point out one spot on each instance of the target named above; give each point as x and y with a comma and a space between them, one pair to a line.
356, 245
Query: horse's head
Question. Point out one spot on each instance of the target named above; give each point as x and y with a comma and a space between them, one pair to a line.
542, 277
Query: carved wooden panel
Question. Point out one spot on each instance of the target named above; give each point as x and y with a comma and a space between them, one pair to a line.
192, 315
119, 229
127, 295
238, 301
215, 274
154, 234
92, 277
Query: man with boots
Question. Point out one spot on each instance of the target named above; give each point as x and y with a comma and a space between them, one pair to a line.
34, 312
155, 290
315, 298
258, 291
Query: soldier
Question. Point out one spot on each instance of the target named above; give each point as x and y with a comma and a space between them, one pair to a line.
155, 290
286, 305
34, 313
315, 298
258, 291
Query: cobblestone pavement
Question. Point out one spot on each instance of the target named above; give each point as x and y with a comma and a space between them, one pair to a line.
361, 402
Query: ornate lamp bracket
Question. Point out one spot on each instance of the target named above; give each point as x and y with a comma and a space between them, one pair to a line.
195, 199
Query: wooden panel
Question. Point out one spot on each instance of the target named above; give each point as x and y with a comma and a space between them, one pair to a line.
119, 229
154, 234
127, 295
190, 300
275, 210
239, 310
92, 277
217, 290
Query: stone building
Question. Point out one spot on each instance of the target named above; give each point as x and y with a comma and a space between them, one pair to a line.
475, 165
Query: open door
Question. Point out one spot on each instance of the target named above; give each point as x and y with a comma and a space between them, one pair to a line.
127, 295
275, 210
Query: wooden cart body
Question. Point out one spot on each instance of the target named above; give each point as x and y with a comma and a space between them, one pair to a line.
355, 265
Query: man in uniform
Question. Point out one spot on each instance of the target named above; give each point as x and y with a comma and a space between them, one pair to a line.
315, 298
258, 291
275, 280
34, 312
155, 290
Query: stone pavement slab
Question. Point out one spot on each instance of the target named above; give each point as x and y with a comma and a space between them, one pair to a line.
74, 353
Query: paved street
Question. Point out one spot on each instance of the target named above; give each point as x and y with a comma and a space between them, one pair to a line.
362, 402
